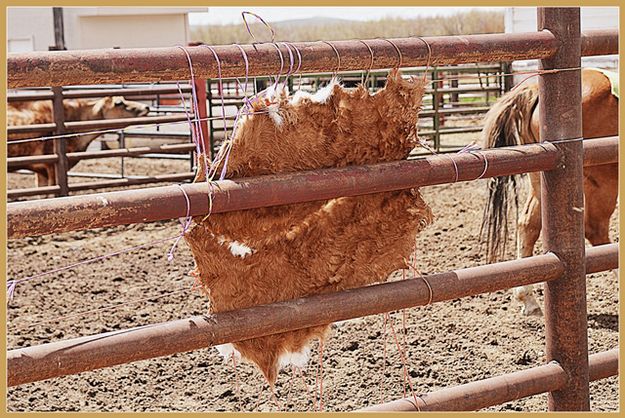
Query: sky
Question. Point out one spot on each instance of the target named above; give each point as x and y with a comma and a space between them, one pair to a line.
227, 15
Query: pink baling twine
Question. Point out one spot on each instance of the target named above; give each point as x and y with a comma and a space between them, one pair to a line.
275, 84
471, 148
219, 157
194, 134
185, 223
291, 64
195, 107
11, 284
198, 139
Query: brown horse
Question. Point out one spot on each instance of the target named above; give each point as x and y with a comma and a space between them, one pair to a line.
38, 112
514, 120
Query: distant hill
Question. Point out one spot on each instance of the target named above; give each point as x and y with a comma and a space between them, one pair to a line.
325, 28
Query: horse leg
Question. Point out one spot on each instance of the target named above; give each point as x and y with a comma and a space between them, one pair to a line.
51, 173
528, 232
601, 192
42, 179
42, 174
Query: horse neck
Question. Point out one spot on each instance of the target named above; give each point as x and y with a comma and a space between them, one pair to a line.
81, 142
81, 110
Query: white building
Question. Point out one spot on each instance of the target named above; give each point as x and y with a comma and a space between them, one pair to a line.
32, 28
524, 19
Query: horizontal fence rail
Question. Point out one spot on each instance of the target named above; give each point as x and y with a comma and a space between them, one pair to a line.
59, 68
167, 202
500, 389
112, 348
85, 125
19, 162
93, 185
90, 93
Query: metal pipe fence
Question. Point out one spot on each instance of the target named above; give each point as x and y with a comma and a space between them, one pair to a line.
558, 44
59, 128
104, 350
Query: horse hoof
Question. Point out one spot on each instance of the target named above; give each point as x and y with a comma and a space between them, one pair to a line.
532, 311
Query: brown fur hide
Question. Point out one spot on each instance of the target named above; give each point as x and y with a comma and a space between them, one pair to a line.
266, 255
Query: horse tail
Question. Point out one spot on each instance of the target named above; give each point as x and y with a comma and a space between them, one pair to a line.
507, 123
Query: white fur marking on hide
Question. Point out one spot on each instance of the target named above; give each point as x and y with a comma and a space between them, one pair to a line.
240, 250
299, 96
227, 351
298, 359
278, 91
274, 113
322, 95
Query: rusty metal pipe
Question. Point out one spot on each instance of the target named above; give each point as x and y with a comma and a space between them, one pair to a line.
26, 129
102, 184
22, 162
599, 42
84, 125
160, 203
497, 390
33, 191
562, 203
603, 151
104, 350
92, 352
83, 94
130, 152
128, 181
601, 258
152, 64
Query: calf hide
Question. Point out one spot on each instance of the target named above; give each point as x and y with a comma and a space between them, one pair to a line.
266, 255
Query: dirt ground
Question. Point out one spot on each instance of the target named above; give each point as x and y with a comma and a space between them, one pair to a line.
447, 343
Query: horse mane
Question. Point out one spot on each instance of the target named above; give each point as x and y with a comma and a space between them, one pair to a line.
507, 123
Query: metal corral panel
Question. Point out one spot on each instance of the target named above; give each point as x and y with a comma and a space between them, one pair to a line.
523, 19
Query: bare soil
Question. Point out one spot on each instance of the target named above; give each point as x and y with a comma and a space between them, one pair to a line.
447, 343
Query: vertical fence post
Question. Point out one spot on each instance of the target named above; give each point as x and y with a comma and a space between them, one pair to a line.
211, 124
59, 28
562, 209
200, 88
435, 114
506, 80
454, 97
122, 144
61, 165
